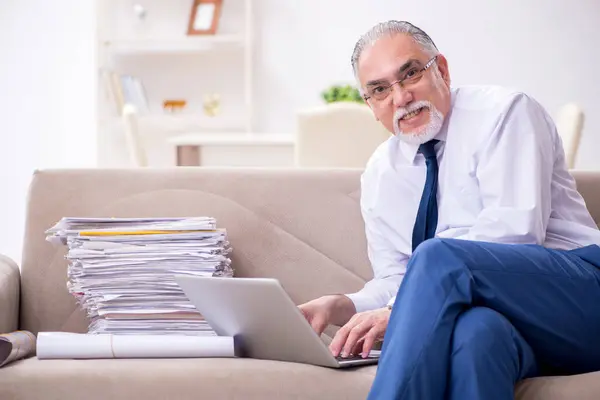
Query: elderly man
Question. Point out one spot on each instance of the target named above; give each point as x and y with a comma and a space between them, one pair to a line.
485, 258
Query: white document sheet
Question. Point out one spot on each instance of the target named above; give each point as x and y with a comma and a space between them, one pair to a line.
65, 345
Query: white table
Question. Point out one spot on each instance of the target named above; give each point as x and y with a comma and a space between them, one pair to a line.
188, 145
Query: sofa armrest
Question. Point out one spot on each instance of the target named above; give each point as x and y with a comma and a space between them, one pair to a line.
10, 285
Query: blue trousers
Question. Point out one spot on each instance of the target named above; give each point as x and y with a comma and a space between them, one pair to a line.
472, 318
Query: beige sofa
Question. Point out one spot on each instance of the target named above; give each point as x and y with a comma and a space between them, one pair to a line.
300, 226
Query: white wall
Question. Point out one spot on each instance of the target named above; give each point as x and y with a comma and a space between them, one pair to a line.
46, 99
544, 47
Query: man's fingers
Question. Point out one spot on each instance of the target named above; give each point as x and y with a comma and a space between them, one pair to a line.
339, 339
370, 338
316, 320
356, 333
358, 346
318, 324
303, 311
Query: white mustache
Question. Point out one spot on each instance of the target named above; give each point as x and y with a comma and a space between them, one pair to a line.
401, 112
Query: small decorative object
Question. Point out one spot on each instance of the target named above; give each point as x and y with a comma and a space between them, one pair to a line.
139, 11
212, 104
204, 17
174, 105
342, 93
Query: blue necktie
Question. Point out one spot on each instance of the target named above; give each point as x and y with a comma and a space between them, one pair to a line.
427, 216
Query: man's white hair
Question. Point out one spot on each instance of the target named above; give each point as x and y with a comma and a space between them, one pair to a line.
391, 28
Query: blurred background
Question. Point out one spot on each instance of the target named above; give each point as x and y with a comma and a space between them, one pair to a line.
157, 83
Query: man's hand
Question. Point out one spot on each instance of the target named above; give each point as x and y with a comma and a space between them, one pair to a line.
326, 310
360, 333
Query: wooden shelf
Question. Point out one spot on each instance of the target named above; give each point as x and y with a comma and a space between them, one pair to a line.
188, 44
133, 56
183, 123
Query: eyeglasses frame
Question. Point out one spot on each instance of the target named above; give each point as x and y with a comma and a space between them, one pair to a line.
421, 71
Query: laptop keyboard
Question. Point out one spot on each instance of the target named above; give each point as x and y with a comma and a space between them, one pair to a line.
352, 359
373, 354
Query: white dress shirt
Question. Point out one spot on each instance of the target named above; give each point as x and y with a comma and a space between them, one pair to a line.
502, 178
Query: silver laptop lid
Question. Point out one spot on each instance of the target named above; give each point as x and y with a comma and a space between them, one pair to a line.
261, 317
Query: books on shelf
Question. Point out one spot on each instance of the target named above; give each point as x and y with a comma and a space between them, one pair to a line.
125, 89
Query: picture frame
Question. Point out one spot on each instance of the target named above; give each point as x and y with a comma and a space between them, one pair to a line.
204, 17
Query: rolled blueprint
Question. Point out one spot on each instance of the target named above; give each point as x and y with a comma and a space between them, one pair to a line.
64, 345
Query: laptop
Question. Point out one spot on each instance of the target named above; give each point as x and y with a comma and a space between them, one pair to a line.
263, 320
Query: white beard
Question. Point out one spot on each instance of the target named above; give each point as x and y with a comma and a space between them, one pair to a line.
422, 134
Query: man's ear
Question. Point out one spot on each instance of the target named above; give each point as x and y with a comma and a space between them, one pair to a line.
442, 65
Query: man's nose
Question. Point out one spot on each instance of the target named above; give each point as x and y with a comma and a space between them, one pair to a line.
401, 96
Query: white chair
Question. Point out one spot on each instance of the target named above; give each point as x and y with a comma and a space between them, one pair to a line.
135, 148
569, 124
337, 135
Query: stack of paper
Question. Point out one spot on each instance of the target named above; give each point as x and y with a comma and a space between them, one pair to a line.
122, 270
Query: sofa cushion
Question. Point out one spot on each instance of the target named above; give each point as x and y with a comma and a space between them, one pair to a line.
163, 379
575, 387
216, 379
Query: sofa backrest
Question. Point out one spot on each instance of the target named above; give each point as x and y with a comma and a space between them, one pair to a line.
588, 184
301, 226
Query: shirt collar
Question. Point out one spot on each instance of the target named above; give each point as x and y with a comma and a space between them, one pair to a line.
409, 150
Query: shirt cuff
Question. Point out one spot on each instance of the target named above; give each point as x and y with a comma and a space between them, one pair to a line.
392, 301
363, 302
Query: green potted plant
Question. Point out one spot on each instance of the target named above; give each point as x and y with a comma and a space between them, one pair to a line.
336, 93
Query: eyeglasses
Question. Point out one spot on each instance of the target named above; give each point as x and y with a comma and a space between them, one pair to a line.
411, 77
